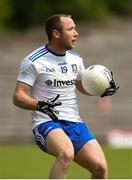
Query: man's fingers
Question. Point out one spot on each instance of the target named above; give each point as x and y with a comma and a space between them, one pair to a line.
57, 104
55, 98
117, 88
52, 115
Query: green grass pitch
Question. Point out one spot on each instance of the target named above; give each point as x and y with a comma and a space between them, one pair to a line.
27, 161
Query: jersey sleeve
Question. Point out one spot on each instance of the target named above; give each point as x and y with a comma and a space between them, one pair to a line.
81, 69
27, 73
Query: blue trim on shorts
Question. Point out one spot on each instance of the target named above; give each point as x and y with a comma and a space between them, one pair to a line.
78, 133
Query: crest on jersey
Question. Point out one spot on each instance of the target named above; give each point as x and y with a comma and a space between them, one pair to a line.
74, 68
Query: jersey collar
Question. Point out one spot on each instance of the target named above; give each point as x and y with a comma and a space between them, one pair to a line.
52, 52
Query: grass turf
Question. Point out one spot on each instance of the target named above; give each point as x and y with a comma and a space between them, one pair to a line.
27, 161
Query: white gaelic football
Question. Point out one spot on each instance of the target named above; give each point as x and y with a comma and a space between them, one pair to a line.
96, 79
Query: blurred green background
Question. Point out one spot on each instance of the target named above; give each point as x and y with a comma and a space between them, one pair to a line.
23, 14
105, 28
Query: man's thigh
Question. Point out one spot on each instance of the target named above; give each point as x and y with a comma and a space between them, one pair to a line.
57, 141
51, 138
90, 155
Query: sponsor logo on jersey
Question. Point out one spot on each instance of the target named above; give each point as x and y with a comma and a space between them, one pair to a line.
56, 82
46, 69
50, 70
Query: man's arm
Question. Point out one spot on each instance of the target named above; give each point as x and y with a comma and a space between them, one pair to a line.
80, 88
21, 97
23, 100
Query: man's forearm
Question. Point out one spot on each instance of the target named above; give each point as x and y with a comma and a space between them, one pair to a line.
24, 101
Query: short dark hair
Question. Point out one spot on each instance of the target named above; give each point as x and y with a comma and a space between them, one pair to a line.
54, 22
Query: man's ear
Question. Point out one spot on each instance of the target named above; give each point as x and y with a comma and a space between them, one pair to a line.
56, 34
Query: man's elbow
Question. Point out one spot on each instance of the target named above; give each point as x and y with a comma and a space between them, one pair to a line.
16, 100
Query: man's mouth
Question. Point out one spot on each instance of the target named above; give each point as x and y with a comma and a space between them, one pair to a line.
74, 40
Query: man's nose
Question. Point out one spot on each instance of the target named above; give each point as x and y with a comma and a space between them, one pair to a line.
76, 33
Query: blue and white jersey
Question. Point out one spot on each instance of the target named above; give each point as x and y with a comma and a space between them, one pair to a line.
50, 74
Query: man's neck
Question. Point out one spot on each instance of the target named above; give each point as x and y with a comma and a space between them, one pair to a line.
56, 49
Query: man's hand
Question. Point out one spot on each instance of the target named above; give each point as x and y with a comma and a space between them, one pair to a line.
47, 107
112, 89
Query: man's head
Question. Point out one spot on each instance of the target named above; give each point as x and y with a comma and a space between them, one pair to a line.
54, 23
60, 28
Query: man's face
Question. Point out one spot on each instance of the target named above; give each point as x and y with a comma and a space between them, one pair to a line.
68, 35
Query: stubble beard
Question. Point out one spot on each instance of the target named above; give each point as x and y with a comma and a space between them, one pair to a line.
68, 46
